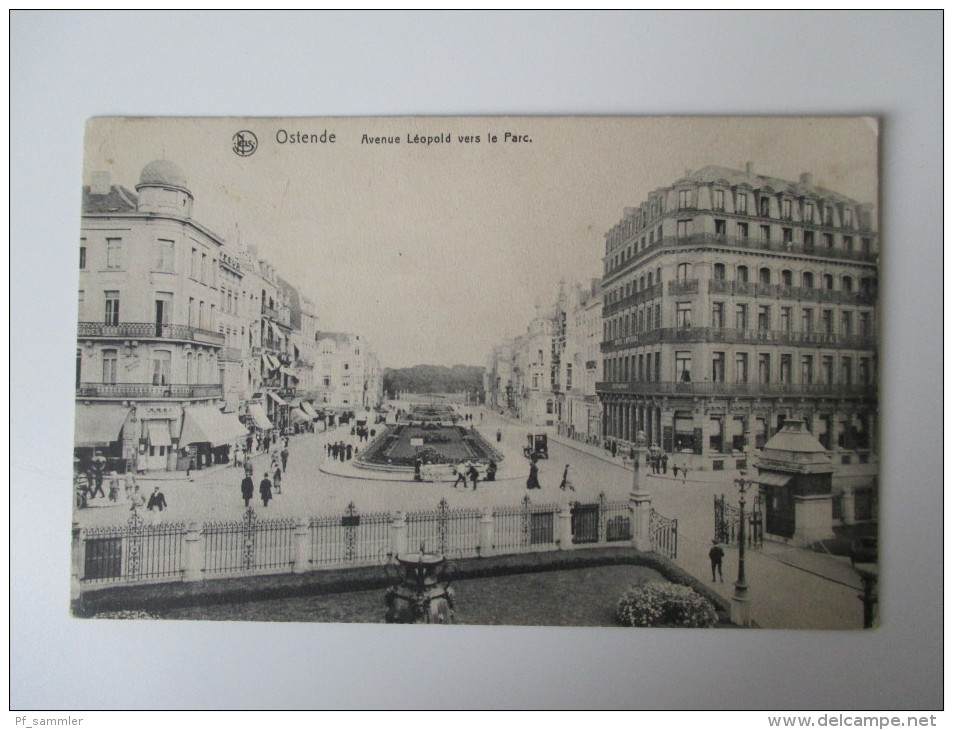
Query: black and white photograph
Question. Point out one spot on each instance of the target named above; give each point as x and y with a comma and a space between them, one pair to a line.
524, 371
462, 360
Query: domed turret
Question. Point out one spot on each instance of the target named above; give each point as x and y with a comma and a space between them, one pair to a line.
162, 188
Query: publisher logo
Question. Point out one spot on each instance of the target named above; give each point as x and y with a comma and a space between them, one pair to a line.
244, 143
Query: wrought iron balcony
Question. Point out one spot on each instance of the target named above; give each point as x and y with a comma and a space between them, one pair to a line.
751, 244
783, 291
150, 331
732, 390
689, 286
740, 336
650, 292
148, 391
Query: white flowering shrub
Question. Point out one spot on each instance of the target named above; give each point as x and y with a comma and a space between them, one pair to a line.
665, 604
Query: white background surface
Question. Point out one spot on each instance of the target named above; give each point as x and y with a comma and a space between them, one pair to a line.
66, 67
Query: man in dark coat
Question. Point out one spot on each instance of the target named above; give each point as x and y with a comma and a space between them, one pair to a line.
156, 500
715, 555
248, 489
284, 459
265, 489
348, 449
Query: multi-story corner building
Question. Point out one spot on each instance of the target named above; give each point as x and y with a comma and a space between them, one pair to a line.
149, 361
734, 300
347, 373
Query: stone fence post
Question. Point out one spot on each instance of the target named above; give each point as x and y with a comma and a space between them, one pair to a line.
398, 534
78, 560
193, 554
486, 532
640, 507
302, 547
564, 527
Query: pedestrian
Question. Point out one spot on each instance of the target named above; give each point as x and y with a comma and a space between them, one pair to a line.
114, 486
276, 479
248, 489
715, 555
239, 455
665, 463
418, 464
613, 449
188, 471
341, 451
474, 475
461, 477
156, 500
99, 469
566, 483
137, 499
532, 482
349, 451
674, 470
490, 472
264, 489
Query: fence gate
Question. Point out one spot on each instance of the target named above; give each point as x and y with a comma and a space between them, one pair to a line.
585, 522
728, 522
664, 533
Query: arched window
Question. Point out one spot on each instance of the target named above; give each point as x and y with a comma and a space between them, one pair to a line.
718, 272
764, 275
741, 274
807, 280
787, 278
847, 284
682, 272
828, 281
641, 283
649, 282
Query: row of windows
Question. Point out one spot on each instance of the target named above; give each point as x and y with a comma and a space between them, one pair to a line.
826, 369
787, 278
781, 206
198, 367
826, 321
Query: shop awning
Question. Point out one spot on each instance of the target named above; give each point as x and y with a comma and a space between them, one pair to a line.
159, 433
208, 424
98, 425
289, 373
297, 415
774, 478
308, 410
270, 362
259, 416
276, 399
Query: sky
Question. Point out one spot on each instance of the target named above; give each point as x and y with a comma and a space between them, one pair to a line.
436, 252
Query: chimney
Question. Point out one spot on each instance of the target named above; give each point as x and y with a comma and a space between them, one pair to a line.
99, 183
749, 168
807, 179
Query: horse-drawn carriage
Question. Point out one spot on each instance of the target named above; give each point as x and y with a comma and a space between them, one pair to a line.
537, 446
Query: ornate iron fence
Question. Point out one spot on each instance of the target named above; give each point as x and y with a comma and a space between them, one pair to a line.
350, 539
451, 532
728, 521
135, 551
524, 526
248, 545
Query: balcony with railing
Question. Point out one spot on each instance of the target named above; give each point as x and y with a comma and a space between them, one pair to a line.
712, 240
148, 391
269, 312
150, 331
740, 336
687, 286
731, 390
647, 294
783, 291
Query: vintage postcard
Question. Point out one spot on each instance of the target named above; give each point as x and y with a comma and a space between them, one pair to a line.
587, 371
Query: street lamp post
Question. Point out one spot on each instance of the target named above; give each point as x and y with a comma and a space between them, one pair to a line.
740, 607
